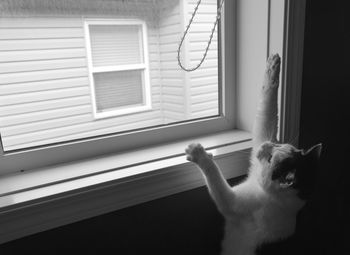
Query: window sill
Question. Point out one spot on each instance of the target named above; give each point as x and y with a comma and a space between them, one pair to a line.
79, 190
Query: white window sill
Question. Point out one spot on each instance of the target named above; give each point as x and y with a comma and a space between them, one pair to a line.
124, 179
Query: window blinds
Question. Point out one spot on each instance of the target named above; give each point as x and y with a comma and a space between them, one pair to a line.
118, 89
115, 45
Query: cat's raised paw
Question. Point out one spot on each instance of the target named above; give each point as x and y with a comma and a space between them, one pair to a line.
195, 152
272, 72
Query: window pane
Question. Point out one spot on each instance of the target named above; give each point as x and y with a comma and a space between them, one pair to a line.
45, 90
118, 89
115, 44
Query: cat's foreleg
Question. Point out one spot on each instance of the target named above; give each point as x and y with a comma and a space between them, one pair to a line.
219, 189
265, 125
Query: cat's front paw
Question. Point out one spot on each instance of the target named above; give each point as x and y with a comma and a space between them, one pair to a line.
272, 72
196, 153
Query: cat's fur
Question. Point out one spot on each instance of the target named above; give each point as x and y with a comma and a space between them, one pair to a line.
263, 208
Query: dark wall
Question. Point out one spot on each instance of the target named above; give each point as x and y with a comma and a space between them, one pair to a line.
324, 116
188, 223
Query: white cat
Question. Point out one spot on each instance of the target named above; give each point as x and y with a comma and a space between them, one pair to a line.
263, 208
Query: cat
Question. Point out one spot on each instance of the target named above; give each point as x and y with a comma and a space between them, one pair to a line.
263, 208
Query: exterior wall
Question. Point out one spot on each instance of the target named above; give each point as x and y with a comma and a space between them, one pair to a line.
172, 77
44, 86
203, 94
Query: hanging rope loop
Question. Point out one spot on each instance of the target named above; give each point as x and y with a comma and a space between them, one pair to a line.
218, 16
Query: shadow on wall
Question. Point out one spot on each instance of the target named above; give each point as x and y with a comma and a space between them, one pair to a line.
324, 221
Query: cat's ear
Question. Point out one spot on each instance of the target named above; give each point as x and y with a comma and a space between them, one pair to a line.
314, 152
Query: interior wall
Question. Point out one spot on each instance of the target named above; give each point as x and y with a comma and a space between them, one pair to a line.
186, 223
324, 113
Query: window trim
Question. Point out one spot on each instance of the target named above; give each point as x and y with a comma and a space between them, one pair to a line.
144, 67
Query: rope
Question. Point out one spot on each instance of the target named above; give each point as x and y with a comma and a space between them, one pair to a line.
218, 16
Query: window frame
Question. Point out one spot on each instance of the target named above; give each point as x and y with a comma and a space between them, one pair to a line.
80, 149
144, 67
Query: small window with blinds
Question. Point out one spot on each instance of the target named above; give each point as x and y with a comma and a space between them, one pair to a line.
118, 67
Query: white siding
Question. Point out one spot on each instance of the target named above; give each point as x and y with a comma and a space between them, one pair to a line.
44, 86
203, 98
172, 77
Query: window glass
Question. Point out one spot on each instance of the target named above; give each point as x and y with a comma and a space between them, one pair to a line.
49, 93
116, 44
118, 66
118, 89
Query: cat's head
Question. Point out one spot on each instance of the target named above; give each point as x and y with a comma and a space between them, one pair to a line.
286, 167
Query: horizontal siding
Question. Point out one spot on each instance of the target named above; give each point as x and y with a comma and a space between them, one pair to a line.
35, 33
44, 115
172, 78
204, 106
207, 7
151, 121
202, 37
205, 113
41, 44
198, 55
44, 95
180, 99
204, 72
170, 38
204, 97
31, 55
81, 130
172, 116
203, 81
30, 127
8, 89
16, 109
29, 66
22, 77
200, 46
204, 90
208, 63
44, 86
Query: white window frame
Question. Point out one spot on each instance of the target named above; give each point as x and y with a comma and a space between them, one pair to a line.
146, 88
63, 152
101, 185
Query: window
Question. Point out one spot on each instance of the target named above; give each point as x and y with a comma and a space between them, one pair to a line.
117, 53
82, 77
46, 97
45, 88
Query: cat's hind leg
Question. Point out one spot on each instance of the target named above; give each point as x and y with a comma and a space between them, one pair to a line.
265, 125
